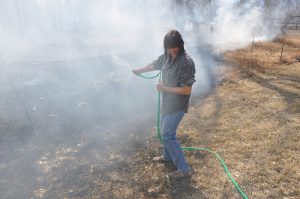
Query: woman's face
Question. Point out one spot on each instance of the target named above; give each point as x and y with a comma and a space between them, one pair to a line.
173, 52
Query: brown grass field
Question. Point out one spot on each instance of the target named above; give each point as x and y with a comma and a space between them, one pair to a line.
251, 118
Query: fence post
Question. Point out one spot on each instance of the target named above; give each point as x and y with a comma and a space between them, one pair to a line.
283, 42
252, 43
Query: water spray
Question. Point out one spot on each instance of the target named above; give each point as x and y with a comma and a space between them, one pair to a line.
120, 61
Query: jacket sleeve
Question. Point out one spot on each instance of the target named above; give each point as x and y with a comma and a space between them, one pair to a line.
187, 73
158, 63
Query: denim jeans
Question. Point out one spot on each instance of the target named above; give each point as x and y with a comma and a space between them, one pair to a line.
171, 147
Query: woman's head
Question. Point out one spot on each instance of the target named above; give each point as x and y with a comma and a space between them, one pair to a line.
173, 42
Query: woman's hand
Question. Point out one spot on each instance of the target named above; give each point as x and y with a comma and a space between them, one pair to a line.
147, 68
135, 72
160, 87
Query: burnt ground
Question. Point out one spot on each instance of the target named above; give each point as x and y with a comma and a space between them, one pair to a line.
251, 119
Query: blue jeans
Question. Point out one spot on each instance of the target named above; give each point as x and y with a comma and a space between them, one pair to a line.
171, 147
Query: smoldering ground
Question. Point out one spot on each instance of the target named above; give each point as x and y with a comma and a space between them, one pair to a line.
67, 92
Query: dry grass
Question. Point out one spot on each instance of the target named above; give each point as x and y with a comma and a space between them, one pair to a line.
253, 120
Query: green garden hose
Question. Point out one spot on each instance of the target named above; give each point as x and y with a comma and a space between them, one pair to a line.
244, 196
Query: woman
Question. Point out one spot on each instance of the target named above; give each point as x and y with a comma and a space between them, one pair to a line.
178, 76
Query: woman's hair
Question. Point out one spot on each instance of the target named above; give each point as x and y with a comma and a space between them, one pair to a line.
173, 39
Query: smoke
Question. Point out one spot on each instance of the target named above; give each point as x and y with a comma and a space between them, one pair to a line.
232, 24
235, 27
66, 67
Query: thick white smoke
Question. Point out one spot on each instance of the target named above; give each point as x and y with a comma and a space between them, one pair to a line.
58, 26
66, 72
112, 37
76, 46
232, 24
235, 27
